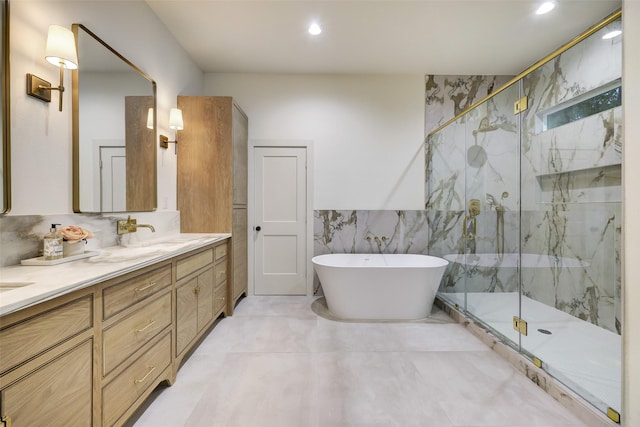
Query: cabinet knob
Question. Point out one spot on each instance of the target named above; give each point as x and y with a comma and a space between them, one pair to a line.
258, 228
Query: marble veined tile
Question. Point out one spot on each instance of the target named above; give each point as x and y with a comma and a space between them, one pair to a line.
21, 235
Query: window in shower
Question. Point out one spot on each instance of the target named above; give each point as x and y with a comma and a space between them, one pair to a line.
590, 103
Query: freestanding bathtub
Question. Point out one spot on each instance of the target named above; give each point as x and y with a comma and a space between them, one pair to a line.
379, 286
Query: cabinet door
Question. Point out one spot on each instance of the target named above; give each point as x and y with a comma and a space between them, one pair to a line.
205, 298
239, 259
57, 394
240, 154
187, 314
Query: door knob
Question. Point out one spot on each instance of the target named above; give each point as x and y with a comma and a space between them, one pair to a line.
258, 228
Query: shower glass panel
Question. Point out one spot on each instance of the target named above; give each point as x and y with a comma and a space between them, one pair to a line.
527, 209
446, 151
571, 207
490, 227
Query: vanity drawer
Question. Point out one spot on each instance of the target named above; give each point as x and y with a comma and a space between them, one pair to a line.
220, 298
220, 272
129, 334
121, 295
220, 251
57, 393
193, 263
26, 339
122, 392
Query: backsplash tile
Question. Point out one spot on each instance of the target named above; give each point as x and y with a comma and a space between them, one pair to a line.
21, 235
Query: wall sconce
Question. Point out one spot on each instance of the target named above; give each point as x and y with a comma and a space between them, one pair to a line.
150, 119
61, 51
175, 123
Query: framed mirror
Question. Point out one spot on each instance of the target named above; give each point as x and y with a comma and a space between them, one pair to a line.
114, 130
5, 155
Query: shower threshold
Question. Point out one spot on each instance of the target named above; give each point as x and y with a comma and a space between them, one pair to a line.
583, 356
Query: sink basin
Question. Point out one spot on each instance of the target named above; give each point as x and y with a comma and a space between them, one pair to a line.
126, 254
8, 286
175, 242
142, 249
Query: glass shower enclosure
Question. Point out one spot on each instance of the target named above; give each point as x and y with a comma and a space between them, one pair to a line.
524, 201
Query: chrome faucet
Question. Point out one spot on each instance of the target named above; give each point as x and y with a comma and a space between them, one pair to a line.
130, 225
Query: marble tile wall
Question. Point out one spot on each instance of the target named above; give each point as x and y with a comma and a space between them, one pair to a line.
346, 231
446, 96
21, 235
571, 181
563, 185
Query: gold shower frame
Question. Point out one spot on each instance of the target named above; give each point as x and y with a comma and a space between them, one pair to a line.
533, 67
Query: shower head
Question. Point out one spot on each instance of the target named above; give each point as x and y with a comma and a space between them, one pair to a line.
484, 126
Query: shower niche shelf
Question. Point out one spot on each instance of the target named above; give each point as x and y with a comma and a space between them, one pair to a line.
589, 185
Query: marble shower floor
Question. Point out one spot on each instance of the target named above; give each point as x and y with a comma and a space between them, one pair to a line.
276, 363
583, 356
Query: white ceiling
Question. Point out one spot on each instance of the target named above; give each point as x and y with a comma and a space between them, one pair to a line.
375, 37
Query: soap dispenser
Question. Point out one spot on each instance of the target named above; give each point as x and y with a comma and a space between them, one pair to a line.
52, 244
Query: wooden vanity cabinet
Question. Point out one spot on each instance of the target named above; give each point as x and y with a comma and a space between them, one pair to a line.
221, 284
91, 357
212, 177
136, 339
46, 363
200, 289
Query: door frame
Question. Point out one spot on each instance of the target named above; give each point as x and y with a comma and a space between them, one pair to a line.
279, 143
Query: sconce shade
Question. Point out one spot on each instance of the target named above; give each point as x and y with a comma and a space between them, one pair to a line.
150, 119
175, 119
61, 47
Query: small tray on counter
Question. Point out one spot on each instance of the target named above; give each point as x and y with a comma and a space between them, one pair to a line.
41, 261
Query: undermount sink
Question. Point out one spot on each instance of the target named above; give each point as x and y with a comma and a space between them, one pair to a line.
126, 254
9, 286
173, 242
143, 249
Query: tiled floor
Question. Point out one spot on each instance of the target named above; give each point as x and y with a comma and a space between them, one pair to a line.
276, 363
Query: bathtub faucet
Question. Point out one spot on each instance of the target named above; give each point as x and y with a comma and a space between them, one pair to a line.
379, 241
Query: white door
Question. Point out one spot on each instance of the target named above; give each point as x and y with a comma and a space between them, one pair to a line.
113, 179
280, 221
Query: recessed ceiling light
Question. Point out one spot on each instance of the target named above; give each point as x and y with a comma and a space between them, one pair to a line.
545, 7
612, 30
611, 34
314, 29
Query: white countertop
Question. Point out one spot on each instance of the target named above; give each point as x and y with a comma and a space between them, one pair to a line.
52, 281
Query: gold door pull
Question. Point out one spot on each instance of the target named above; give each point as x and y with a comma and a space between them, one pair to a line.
138, 381
146, 327
144, 288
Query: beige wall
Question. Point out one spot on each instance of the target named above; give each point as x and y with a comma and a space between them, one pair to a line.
367, 131
41, 135
631, 209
